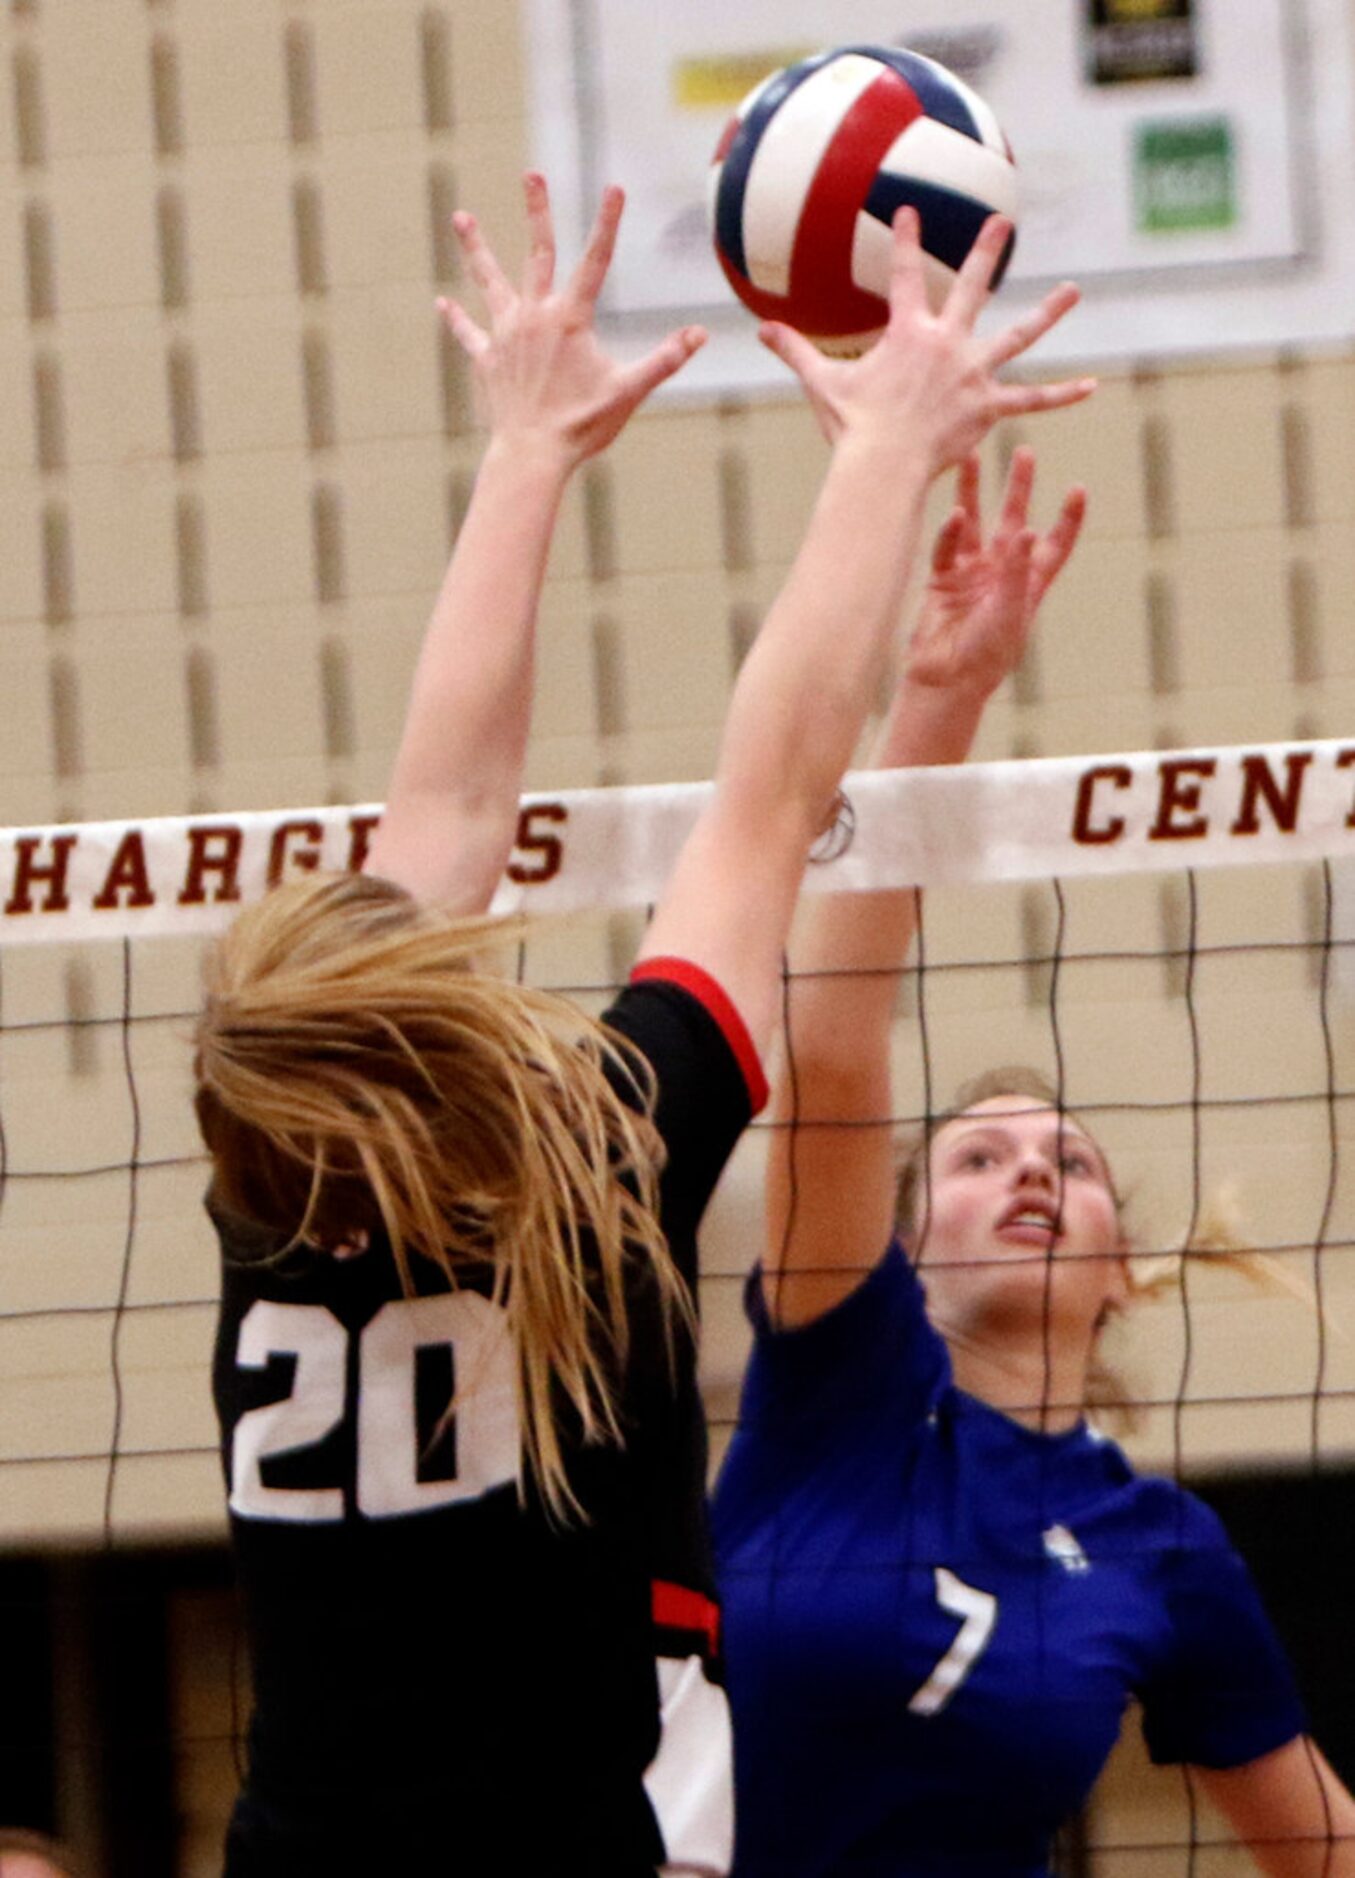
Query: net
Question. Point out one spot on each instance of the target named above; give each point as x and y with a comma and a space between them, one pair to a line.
1165, 936
1186, 1014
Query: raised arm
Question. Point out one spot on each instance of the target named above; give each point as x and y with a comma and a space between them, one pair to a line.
552, 398
924, 396
830, 1178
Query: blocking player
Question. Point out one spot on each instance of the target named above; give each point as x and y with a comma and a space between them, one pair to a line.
455, 1362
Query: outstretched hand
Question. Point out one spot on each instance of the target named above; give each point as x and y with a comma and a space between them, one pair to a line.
537, 360
983, 595
931, 372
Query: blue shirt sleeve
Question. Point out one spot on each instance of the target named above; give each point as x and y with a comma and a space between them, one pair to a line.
874, 1354
1224, 1693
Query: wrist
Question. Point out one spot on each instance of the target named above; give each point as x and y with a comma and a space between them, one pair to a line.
970, 691
883, 451
881, 476
932, 724
542, 455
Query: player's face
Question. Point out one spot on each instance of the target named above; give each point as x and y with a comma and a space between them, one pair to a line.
1020, 1210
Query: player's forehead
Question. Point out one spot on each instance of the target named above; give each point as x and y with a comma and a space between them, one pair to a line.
1019, 1118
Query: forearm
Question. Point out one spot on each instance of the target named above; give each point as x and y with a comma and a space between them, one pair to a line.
850, 950
829, 1172
804, 692
797, 711
970, 635
831, 1166
451, 805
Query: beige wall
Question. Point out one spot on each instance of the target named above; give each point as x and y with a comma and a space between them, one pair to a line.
233, 447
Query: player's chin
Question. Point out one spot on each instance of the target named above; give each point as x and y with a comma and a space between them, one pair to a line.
1012, 1278
1039, 1270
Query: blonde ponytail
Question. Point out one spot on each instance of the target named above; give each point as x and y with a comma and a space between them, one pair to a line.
357, 1071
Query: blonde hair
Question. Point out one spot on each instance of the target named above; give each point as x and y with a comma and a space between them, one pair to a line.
356, 1071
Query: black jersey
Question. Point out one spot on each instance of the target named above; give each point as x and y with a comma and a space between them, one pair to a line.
446, 1681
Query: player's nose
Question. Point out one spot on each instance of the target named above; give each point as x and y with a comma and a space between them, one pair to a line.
1034, 1168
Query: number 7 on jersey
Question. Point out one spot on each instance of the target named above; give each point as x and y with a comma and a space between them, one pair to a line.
978, 1613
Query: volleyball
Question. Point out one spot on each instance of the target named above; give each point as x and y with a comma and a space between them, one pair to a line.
814, 163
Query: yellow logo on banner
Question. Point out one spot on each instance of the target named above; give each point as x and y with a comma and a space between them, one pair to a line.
724, 79
1139, 9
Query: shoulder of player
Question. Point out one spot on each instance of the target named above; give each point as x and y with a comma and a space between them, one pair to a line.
1161, 1517
671, 1010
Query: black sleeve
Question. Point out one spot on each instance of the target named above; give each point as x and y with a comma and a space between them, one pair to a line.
708, 1086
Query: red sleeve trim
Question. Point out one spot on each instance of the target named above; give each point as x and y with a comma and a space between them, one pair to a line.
721, 1007
677, 1608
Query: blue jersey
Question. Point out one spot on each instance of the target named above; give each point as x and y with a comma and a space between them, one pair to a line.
935, 1617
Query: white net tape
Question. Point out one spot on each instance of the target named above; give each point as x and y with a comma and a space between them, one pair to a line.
613, 848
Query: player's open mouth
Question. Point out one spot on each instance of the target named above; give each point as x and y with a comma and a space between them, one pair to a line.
1029, 1225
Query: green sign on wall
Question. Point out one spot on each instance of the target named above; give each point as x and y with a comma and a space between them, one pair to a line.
1184, 175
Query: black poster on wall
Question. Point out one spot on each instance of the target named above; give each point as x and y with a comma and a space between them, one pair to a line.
1128, 41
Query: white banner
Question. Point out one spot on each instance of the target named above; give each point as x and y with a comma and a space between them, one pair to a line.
612, 848
1189, 162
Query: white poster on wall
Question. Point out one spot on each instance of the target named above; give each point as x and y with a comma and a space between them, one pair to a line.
1189, 162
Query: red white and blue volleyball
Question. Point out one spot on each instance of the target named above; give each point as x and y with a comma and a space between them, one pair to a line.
814, 164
